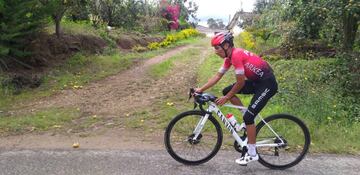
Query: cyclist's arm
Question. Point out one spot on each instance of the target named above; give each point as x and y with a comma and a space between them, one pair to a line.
212, 81
240, 81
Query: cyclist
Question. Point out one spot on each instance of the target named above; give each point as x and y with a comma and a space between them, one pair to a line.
253, 76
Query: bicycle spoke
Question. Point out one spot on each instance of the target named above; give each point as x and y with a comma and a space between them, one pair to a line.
183, 144
285, 148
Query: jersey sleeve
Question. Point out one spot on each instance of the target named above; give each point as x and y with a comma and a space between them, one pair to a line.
225, 67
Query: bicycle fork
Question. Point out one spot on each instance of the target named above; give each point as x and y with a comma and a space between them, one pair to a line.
200, 125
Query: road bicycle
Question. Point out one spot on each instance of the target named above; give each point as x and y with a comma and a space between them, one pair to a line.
194, 137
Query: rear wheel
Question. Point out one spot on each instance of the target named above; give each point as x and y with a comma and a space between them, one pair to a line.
294, 138
181, 145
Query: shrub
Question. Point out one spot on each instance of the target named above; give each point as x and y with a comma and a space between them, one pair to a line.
246, 40
154, 46
172, 38
139, 48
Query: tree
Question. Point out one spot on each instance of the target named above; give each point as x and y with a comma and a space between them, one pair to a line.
263, 5
350, 20
212, 23
187, 9
19, 20
179, 12
80, 10
220, 23
215, 24
108, 10
57, 9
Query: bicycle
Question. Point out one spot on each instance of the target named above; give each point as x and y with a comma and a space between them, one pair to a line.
202, 139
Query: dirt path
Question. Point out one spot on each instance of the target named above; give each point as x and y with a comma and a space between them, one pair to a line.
112, 97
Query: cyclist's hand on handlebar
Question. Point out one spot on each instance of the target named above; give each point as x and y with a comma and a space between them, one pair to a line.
195, 91
198, 90
222, 100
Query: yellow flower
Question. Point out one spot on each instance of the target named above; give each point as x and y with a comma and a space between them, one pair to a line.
76, 145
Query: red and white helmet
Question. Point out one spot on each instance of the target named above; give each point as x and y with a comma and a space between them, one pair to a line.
221, 38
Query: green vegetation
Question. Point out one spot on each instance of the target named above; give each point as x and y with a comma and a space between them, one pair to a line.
313, 48
23, 21
174, 37
39, 121
78, 71
162, 69
75, 73
17, 23
157, 116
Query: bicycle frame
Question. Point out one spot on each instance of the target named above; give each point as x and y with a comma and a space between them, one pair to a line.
214, 109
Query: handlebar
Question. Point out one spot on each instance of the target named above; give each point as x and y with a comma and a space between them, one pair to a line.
201, 98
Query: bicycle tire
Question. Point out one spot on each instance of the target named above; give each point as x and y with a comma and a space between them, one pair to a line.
306, 138
170, 128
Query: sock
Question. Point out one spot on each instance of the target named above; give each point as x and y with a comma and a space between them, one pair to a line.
252, 150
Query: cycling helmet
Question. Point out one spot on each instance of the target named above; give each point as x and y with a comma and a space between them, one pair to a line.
221, 38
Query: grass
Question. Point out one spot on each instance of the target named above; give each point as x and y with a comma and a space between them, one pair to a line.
161, 69
38, 121
157, 116
79, 70
75, 28
75, 73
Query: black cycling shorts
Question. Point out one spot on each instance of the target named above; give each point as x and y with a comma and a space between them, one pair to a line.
263, 90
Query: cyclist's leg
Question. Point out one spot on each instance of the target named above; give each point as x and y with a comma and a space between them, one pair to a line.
248, 88
263, 92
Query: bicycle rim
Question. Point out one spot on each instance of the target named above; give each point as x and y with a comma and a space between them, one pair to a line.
292, 131
182, 148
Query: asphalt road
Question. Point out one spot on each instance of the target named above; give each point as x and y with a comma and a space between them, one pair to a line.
38, 162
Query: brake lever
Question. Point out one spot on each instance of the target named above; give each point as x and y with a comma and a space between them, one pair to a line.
191, 92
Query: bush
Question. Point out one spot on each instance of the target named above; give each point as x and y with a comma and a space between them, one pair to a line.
246, 40
154, 46
20, 21
172, 38
139, 48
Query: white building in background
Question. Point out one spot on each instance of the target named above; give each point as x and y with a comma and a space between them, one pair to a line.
203, 28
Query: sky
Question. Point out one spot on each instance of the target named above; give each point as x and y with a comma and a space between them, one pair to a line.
221, 9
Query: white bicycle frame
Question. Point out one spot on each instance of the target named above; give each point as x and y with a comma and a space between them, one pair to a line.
214, 109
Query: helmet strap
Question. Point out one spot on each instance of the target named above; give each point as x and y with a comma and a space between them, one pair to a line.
225, 50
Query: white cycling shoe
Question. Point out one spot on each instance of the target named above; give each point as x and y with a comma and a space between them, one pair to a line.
246, 159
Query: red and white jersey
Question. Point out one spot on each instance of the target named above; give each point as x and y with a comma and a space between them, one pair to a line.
248, 64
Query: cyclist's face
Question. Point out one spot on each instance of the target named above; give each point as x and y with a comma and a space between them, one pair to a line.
219, 51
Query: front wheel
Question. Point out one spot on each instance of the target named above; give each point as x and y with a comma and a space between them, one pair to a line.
181, 145
293, 139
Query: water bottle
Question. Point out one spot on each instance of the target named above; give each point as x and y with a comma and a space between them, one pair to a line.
231, 118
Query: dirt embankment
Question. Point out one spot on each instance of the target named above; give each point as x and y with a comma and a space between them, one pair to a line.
49, 51
112, 98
